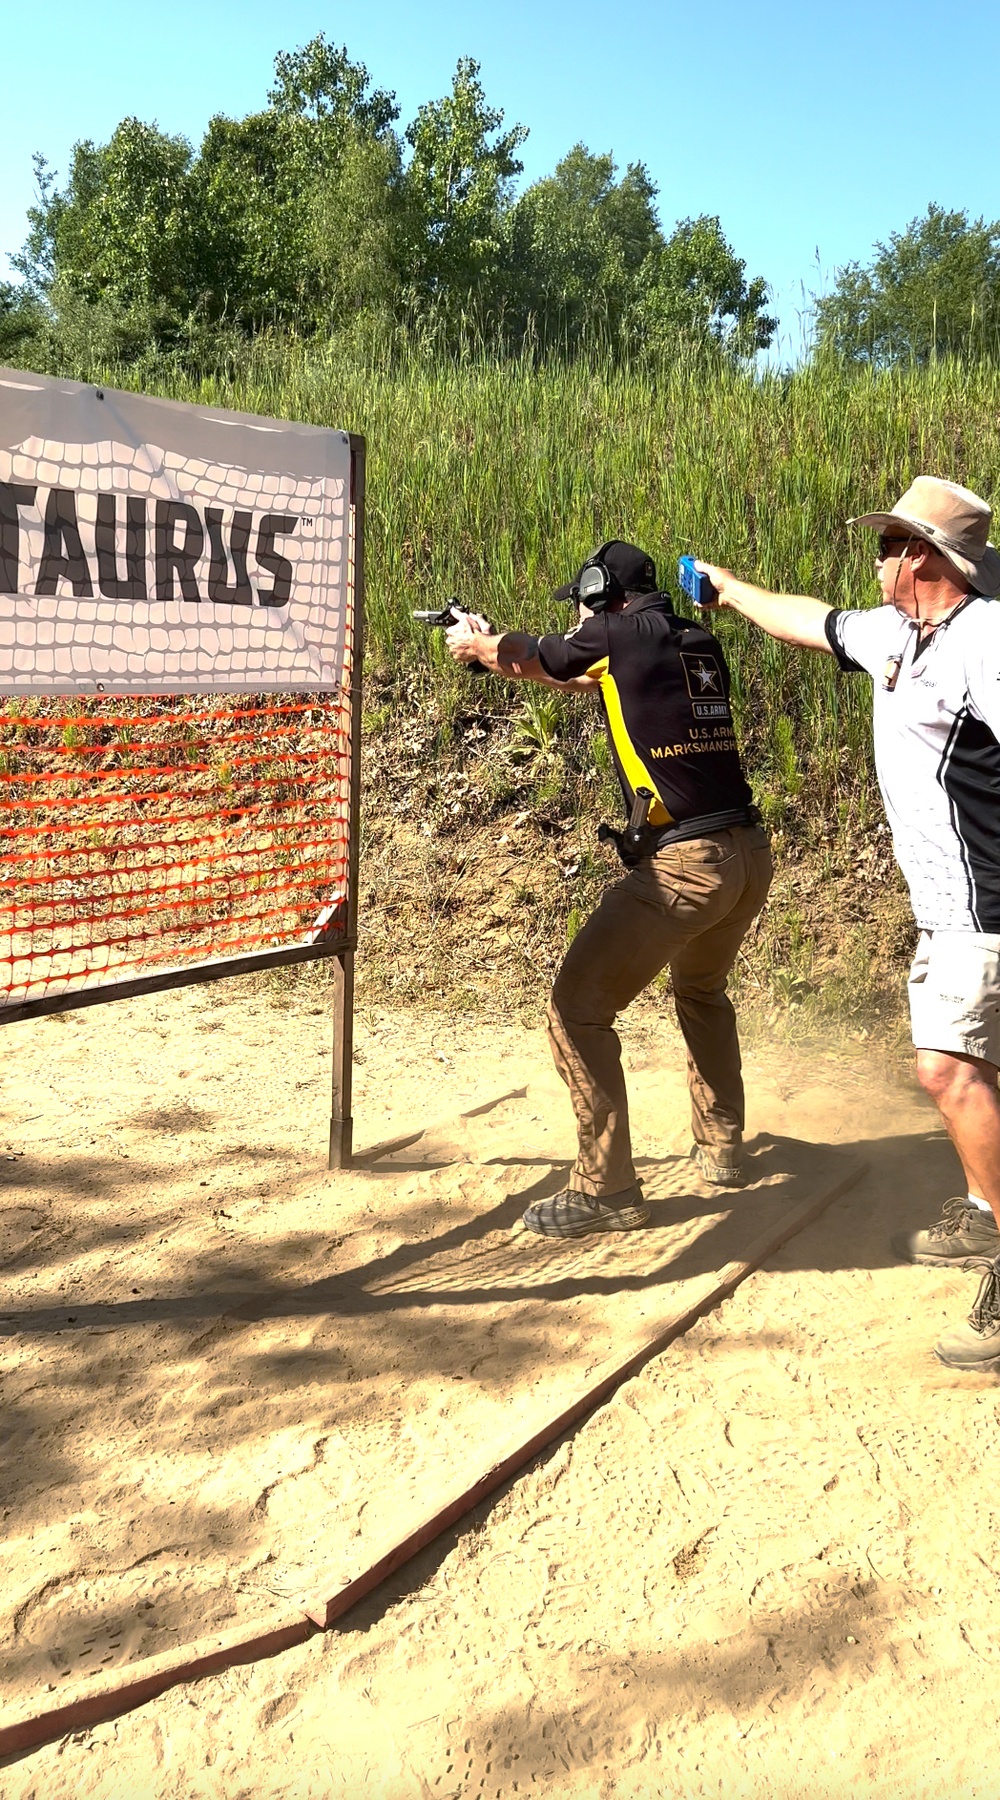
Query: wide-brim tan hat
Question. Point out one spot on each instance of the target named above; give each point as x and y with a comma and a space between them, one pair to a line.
954, 520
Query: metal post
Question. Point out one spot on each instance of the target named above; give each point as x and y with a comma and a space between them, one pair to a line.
341, 1122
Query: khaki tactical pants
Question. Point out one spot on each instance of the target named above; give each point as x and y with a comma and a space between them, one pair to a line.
687, 908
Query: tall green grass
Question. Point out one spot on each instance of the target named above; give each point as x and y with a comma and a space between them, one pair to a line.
494, 480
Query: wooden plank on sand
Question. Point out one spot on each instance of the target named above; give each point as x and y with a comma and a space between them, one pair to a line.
119, 1690
331, 1601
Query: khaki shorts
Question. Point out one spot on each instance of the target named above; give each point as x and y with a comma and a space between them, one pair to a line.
954, 993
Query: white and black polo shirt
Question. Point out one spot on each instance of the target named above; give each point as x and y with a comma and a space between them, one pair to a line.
937, 753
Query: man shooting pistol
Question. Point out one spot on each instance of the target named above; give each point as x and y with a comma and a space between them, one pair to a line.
699, 870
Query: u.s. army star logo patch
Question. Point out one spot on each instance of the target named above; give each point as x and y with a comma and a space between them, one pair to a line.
703, 675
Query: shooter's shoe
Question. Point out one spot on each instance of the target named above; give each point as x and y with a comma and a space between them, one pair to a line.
961, 1237
975, 1344
571, 1214
721, 1166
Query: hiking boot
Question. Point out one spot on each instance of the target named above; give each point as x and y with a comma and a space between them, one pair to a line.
722, 1166
962, 1236
571, 1214
975, 1344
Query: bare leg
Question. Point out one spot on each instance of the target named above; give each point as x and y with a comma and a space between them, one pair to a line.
964, 1089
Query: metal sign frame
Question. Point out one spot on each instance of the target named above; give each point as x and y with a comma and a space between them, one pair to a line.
338, 936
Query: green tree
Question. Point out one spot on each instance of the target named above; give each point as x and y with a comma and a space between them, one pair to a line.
695, 292
280, 217
313, 214
459, 192
362, 228
320, 84
120, 234
294, 197
933, 289
251, 196
579, 242
21, 318
36, 259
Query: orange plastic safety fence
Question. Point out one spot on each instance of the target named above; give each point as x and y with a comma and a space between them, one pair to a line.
139, 833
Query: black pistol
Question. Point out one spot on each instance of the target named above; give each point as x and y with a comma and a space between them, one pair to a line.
450, 614
631, 844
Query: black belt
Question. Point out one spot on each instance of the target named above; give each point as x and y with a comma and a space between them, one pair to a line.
696, 828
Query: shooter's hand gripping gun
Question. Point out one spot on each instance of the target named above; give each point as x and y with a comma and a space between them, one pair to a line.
632, 844
451, 613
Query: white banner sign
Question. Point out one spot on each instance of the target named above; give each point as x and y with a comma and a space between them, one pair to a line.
149, 546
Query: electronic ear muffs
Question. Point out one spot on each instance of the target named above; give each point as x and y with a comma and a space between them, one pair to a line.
596, 586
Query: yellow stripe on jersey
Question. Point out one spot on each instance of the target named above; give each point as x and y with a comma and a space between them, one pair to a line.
635, 770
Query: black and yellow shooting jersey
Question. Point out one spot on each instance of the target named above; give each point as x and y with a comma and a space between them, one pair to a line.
665, 694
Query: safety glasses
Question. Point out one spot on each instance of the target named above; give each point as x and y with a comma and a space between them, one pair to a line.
886, 546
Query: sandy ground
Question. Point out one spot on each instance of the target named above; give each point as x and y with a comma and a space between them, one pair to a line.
769, 1566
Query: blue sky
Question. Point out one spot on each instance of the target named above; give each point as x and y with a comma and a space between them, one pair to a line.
811, 130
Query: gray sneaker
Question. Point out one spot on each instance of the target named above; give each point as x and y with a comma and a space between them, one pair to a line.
721, 1166
571, 1214
975, 1344
963, 1235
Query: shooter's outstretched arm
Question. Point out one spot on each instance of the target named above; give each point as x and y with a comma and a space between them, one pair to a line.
513, 654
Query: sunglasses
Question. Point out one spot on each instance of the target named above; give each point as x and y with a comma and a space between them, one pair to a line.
885, 546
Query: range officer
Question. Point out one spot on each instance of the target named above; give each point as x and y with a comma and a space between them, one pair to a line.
933, 650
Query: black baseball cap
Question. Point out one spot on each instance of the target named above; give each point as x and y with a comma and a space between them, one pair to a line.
630, 569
